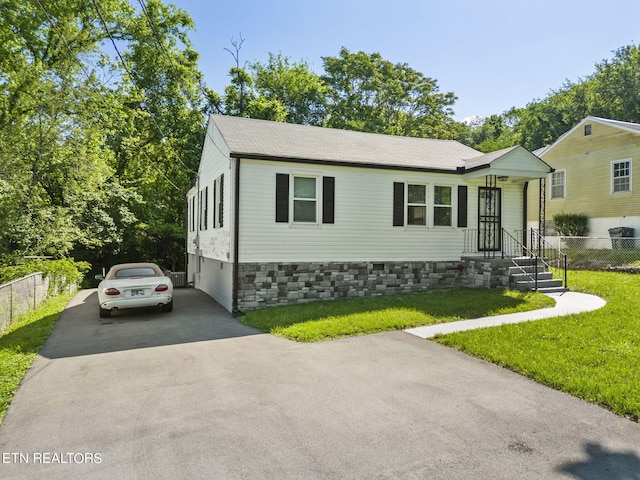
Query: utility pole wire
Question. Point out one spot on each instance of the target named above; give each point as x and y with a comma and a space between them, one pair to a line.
133, 80
156, 35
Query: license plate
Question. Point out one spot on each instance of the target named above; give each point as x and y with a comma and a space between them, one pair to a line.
137, 293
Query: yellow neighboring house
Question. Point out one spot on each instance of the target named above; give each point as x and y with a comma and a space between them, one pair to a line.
596, 172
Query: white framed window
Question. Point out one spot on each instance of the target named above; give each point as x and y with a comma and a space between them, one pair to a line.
416, 204
442, 206
587, 130
558, 184
304, 199
621, 176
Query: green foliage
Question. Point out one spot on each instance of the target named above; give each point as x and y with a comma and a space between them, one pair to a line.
293, 86
357, 91
571, 224
612, 91
319, 321
368, 93
489, 134
90, 149
61, 273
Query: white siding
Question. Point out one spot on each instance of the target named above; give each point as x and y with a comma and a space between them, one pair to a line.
216, 279
363, 228
215, 243
512, 206
210, 258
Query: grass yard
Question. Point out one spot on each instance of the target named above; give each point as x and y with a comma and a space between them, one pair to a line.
594, 355
319, 321
20, 344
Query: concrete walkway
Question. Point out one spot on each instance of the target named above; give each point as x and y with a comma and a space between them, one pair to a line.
567, 303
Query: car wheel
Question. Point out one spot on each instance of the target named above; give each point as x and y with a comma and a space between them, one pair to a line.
104, 313
168, 307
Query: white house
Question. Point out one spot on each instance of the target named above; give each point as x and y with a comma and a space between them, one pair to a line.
283, 213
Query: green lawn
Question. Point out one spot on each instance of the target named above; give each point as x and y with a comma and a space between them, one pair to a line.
20, 344
318, 321
594, 355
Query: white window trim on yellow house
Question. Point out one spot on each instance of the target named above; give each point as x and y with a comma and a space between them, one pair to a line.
553, 178
629, 176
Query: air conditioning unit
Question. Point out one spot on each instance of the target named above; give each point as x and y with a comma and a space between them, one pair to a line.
179, 279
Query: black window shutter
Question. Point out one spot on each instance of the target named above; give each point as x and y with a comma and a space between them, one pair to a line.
206, 207
462, 205
214, 204
220, 213
398, 204
328, 199
282, 197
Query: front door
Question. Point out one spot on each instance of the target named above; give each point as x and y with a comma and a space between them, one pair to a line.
489, 213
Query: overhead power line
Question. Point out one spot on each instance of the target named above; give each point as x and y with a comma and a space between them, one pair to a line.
133, 80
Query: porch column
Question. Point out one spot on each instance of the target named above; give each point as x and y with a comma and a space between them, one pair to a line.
541, 212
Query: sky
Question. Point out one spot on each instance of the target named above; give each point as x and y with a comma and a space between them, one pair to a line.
492, 54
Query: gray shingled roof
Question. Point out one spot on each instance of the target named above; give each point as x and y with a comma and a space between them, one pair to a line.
250, 138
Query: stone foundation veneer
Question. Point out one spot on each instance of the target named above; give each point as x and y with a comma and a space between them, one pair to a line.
268, 284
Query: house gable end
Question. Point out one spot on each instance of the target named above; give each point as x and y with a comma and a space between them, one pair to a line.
512, 162
600, 127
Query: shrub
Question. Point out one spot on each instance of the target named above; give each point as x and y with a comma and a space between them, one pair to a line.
571, 224
61, 272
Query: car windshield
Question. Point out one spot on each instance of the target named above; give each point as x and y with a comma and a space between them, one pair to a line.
136, 272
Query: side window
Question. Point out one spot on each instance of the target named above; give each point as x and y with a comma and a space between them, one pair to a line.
558, 184
442, 206
410, 205
621, 176
416, 204
305, 199
305, 202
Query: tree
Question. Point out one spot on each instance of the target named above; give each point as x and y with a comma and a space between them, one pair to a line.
300, 92
368, 93
488, 134
612, 91
90, 139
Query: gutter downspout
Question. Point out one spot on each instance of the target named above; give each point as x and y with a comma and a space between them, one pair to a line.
524, 213
236, 243
186, 238
196, 267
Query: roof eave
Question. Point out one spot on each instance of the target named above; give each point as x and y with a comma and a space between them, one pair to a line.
344, 163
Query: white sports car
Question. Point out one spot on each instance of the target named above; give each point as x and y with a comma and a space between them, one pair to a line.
134, 285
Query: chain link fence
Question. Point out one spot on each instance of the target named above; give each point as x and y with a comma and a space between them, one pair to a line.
27, 293
605, 253
21, 296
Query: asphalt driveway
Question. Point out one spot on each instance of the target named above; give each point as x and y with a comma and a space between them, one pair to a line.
195, 394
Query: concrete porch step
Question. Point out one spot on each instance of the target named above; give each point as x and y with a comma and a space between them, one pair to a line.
553, 290
530, 277
528, 285
526, 269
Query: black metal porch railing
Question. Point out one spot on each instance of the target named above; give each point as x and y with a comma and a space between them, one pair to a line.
524, 249
554, 257
538, 253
